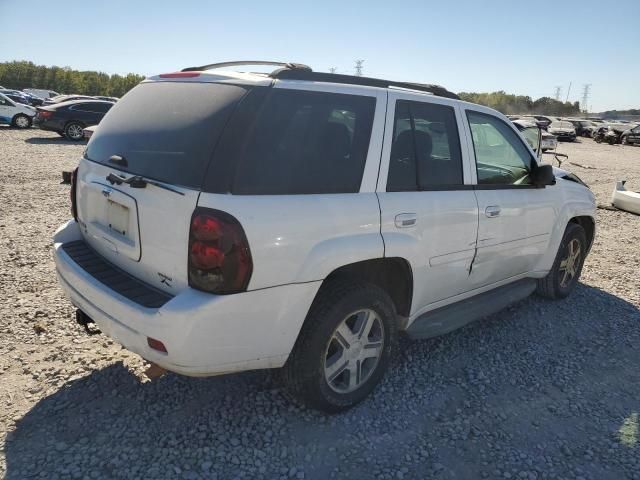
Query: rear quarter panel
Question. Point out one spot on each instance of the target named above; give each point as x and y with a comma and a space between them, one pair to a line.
302, 238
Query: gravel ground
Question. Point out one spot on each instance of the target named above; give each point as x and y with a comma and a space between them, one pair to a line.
540, 390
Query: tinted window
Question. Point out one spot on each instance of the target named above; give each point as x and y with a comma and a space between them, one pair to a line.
302, 142
426, 148
166, 130
501, 157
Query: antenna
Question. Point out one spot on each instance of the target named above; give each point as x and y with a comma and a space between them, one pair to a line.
568, 92
558, 93
359, 67
585, 97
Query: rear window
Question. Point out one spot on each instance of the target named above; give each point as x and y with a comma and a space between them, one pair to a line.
297, 142
166, 130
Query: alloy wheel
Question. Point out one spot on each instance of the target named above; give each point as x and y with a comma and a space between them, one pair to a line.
74, 131
571, 263
354, 350
22, 122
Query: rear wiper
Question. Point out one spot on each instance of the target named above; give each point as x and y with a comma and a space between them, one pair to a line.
138, 181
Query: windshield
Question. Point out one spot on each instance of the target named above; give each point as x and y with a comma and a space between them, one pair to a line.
166, 130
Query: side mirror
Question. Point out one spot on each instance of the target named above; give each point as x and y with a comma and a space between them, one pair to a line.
542, 175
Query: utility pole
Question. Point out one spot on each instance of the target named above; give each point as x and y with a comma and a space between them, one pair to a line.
359, 67
568, 92
558, 92
332, 69
585, 97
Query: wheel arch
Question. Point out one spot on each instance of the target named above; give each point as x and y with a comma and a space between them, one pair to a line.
589, 225
391, 274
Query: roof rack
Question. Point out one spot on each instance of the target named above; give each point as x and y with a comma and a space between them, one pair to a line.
283, 65
301, 74
299, 71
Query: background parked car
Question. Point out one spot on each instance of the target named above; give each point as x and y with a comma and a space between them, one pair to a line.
40, 93
66, 98
581, 126
563, 130
631, 136
16, 97
69, 118
15, 114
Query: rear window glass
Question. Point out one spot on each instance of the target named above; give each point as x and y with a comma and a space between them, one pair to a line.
166, 130
302, 142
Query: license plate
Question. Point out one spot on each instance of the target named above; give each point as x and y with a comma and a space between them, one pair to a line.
118, 217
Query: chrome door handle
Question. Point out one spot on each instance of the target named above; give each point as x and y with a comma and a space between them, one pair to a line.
405, 220
492, 211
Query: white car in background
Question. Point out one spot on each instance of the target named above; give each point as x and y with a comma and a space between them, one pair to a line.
38, 92
15, 114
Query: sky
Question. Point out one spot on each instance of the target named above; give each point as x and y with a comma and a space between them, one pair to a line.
526, 48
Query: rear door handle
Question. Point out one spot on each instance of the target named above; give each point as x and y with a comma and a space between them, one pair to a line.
492, 211
406, 220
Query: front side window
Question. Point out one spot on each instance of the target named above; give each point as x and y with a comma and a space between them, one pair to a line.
425, 153
501, 157
304, 142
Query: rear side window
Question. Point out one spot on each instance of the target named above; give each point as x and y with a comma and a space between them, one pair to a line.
425, 153
166, 130
302, 142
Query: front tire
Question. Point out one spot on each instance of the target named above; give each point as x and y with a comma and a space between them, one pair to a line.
624, 140
344, 347
567, 267
73, 131
21, 121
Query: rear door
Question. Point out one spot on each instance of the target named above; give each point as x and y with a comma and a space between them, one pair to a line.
429, 211
165, 131
515, 218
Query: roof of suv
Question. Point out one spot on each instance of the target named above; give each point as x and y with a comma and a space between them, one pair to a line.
296, 71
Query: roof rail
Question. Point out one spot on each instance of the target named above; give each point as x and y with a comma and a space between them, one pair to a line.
283, 65
301, 74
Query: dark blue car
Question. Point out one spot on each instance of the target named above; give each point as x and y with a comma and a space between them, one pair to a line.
69, 118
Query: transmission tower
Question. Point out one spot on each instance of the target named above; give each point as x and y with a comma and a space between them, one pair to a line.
359, 67
585, 97
558, 93
332, 69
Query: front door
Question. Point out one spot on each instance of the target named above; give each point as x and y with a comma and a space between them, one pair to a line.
429, 213
515, 218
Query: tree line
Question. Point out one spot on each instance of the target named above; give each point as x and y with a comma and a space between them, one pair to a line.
19, 75
510, 104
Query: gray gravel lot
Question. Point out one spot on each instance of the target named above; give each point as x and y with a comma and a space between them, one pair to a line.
541, 390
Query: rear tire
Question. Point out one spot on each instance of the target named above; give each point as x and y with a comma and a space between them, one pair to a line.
567, 267
21, 121
349, 330
73, 131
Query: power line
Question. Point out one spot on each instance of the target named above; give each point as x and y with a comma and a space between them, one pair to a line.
568, 92
585, 97
558, 93
359, 67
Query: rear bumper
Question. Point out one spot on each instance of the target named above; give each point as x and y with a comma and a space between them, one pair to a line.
204, 334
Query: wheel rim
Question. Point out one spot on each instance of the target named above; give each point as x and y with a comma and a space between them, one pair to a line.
354, 350
75, 131
22, 122
571, 263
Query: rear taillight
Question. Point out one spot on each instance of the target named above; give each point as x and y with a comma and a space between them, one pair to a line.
45, 114
72, 193
219, 256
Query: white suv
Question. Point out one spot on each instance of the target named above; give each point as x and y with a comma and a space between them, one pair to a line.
228, 221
